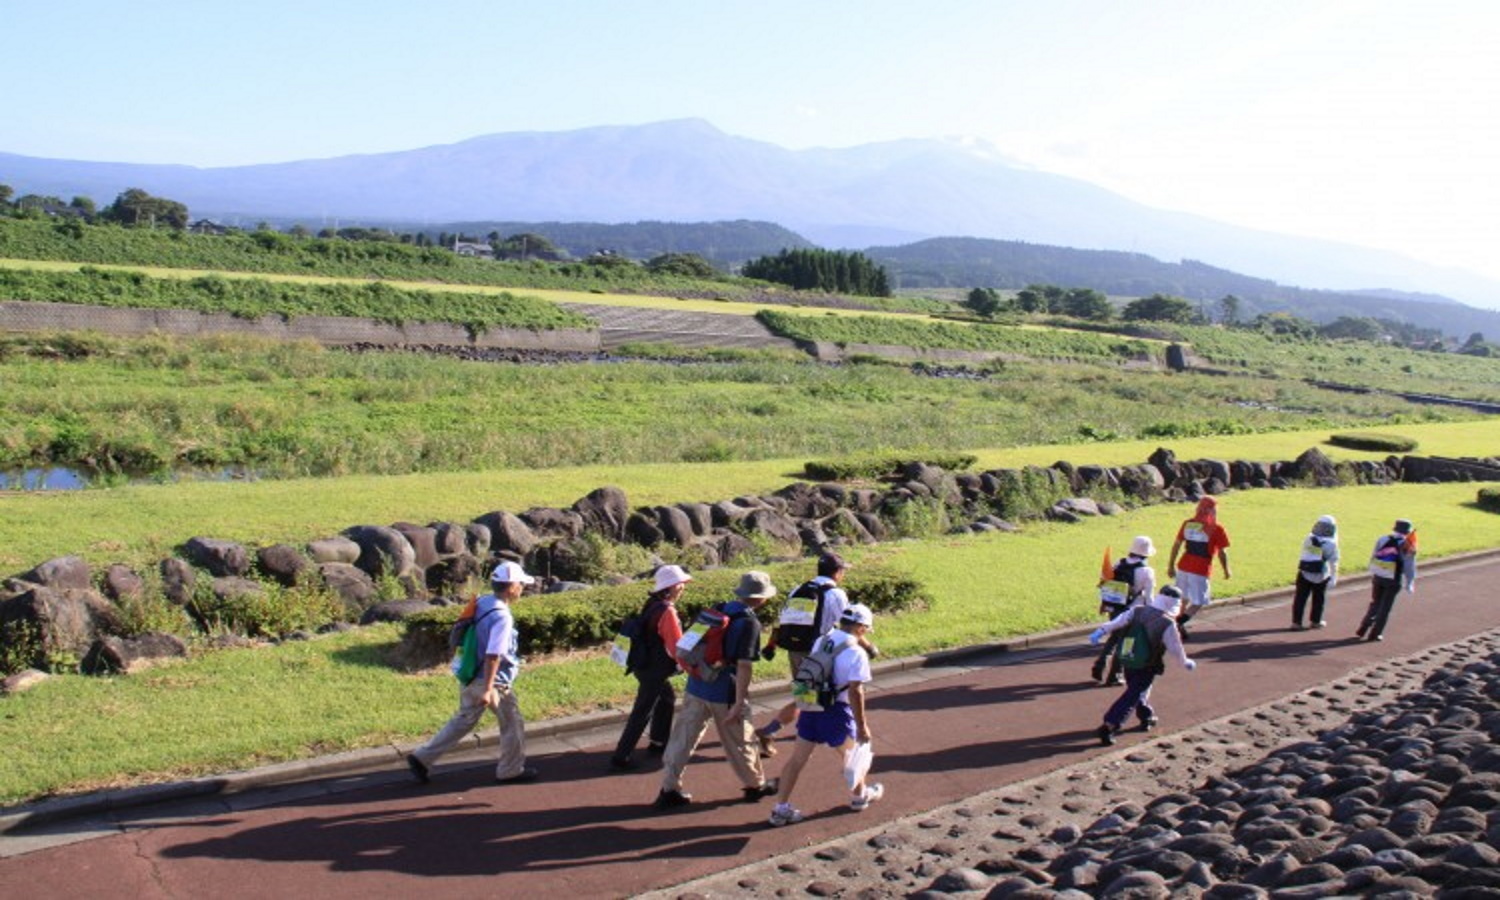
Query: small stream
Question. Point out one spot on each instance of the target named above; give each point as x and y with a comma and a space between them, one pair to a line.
62, 478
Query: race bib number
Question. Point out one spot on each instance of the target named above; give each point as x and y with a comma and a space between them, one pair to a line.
620, 652
692, 636
1115, 593
799, 611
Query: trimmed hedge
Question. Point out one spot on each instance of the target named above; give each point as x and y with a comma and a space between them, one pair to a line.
575, 620
1489, 498
879, 466
1378, 443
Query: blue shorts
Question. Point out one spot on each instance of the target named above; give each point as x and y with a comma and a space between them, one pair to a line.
833, 726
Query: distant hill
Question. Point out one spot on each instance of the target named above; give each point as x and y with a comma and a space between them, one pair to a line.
976, 262
689, 171
725, 244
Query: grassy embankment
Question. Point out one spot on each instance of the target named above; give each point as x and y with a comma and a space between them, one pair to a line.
228, 710
452, 435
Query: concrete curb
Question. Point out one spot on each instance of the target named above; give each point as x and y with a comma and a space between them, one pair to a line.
390, 757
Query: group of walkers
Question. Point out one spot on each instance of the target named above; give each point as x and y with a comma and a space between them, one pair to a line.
824, 636
1146, 625
826, 640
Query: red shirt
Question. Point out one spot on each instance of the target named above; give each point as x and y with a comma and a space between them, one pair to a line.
1201, 542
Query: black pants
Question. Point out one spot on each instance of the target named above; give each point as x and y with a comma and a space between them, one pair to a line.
1317, 590
655, 700
1383, 594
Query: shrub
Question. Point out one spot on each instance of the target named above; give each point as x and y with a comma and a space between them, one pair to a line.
271, 612
1489, 499
1379, 443
580, 619
880, 465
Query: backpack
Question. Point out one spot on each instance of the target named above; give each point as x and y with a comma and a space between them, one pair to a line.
799, 636
463, 638
700, 651
1121, 591
1137, 649
1386, 561
1312, 562
813, 684
630, 648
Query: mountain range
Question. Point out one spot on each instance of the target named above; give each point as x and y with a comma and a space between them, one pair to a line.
689, 171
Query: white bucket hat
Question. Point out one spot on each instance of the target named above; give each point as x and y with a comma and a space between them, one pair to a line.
667, 576
1142, 546
509, 573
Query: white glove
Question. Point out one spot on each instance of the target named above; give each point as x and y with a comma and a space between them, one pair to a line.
1190, 665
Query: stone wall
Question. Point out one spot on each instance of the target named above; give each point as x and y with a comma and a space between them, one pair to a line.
331, 330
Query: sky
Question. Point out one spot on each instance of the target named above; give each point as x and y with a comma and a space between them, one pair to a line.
1372, 122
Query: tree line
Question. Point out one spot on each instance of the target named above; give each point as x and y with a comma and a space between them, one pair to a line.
833, 271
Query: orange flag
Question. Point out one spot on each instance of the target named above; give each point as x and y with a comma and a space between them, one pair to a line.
1107, 570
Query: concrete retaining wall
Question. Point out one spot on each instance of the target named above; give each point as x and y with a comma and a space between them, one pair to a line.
34, 317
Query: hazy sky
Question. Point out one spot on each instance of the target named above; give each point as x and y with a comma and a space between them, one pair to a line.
1369, 121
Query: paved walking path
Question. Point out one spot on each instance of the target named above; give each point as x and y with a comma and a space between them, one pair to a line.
942, 733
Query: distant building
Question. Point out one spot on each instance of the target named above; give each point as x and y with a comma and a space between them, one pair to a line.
206, 226
466, 248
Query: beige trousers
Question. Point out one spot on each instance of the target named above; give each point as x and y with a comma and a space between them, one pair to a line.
471, 707
687, 730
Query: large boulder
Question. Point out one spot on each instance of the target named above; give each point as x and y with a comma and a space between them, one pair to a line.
178, 580
675, 525
846, 525
382, 551
1165, 462
605, 511
128, 655
477, 538
232, 588
805, 501
700, 515
121, 583
423, 542
553, 524
220, 558
451, 575
450, 538
333, 550
283, 564
64, 622
353, 585
63, 572
508, 532
734, 547
773, 525
1314, 466
642, 528
727, 514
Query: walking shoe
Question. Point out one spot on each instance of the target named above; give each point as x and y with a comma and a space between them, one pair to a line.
767, 743
1097, 672
1320, 624
785, 814
1298, 626
418, 769
1375, 637
526, 774
672, 800
872, 793
623, 763
1150, 724
1106, 735
1115, 680
756, 794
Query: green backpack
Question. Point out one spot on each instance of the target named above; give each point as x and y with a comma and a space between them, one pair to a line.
1137, 650
467, 658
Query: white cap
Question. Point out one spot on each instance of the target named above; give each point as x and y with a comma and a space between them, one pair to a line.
666, 576
1142, 546
509, 573
858, 614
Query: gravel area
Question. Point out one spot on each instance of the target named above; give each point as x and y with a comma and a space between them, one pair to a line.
1383, 783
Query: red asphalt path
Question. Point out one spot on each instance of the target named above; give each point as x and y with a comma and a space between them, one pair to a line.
941, 735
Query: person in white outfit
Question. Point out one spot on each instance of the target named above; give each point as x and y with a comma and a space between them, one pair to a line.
1317, 571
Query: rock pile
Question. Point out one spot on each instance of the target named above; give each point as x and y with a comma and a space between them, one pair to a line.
1401, 799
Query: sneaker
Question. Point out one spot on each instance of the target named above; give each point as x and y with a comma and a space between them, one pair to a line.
1115, 680
672, 800
1298, 626
1320, 624
417, 768
1150, 724
756, 794
1375, 637
1106, 735
872, 793
767, 744
526, 774
785, 814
